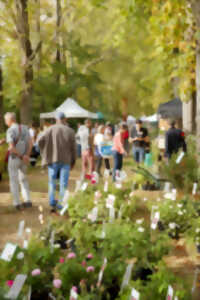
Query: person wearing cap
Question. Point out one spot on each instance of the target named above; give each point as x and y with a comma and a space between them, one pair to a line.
174, 140
58, 150
139, 139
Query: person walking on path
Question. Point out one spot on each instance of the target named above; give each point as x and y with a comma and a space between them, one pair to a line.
118, 150
20, 146
98, 143
58, 150
139, 137
174, 140
87, 151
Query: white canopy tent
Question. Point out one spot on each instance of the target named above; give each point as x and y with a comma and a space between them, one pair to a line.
150, 119
71, 109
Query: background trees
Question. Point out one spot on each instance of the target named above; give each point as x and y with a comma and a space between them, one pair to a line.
112, 56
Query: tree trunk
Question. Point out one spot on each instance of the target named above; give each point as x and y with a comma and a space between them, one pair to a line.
58, 23
27, 57
1, 101
196, 11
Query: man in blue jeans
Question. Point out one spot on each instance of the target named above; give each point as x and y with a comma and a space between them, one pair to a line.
58, 151
139, 137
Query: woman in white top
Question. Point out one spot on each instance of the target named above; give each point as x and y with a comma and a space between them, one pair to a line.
98, 141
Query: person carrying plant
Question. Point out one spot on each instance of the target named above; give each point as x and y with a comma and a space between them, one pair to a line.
118, 150
139, 138
174, 140
20, 146
58, 150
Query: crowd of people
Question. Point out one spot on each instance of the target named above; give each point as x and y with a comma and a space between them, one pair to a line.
59, 146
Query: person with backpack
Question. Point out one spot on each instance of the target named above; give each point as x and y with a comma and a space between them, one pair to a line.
174, 141
19, 147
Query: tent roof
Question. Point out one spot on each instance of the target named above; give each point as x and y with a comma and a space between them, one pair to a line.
71, 109
150, 119
171, 109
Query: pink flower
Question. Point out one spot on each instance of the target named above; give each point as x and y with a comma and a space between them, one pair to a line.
83, 263
71, 255
90, 269
57, 283
90, 256
36, 272
62, 260
9, 283
75, 289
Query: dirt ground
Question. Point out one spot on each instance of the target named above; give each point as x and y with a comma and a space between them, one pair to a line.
10, 218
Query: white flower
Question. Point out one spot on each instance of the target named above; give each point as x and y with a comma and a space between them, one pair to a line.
158, 199
57, 246
171, 207
43, 238
172, 225
197, 239
180, 205
141, 229
20, 255
184, 211
180, 213
129, 202
197, 230
131, 194
145, 199
139, 221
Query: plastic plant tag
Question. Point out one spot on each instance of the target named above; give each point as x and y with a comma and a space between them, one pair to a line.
73, 295
106, 187
167, 187
127, 276
135, 295
110, 201
16, 287
102, 272
66, 197
111, 214
176, 298
174, 193
194, 191
21, 228
93, 215
8, 252
84, 186
120, 211
180, 157
170, 293
78, 186
155, 220
51, 296
25, 244
64, 209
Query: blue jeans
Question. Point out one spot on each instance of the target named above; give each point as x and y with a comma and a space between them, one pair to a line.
63, 171
118, 163
138, 154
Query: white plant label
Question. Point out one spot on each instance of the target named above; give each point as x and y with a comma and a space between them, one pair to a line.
111, 214
194, 191
127, 276
102, 272
135, 295
180, 157
73, 295
174, 194
106, 187
170, 293
21, 228
64, 209
16, 287
8, 252
78, 186
110, 201
93, 215
155, 220
84, 186
167, 187
25, 244
120, 212
66, 197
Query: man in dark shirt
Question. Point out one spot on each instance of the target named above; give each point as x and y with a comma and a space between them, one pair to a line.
174, 140
139, 137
